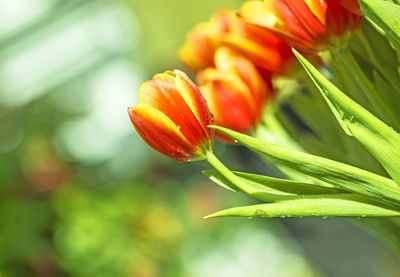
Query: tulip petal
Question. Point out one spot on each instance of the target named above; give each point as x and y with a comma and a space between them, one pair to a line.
265, 57
351, 5
227, 61
193, 98
229, 99
300, 20
160, 132
257, 13
263, 14
162, 94
318, 8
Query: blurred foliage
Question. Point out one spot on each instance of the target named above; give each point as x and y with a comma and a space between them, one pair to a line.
80, 193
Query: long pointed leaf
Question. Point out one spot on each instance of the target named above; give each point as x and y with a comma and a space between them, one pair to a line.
386, 15
347, 177
270, 189
381, 140
318, 207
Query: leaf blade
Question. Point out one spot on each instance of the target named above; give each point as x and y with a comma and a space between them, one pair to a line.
346, 176
270, 189
322, 207
380, 140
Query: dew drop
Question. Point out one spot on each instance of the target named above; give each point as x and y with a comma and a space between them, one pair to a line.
260, 213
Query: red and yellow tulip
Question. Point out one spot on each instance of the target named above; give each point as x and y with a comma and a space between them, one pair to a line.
172, 117
308, 25
235, 92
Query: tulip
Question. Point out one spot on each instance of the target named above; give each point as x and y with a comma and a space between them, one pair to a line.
172, 117
259, 45
235, 92
308, 25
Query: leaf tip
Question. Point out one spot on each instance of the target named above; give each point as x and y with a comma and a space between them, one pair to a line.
213, 215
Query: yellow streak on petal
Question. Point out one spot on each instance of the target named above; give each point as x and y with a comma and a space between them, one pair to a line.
146, 88
318, 8
227, 61
158, 120
209, 95
259, 13
192, 99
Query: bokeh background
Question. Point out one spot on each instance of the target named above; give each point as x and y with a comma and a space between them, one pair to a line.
80, 192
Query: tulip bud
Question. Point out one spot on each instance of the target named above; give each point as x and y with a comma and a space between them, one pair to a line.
235, 92
308, 25
172, 117
262, 47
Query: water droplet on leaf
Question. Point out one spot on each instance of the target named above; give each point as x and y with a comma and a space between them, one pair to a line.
260, 213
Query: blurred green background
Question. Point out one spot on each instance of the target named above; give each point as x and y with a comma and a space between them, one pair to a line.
80, 192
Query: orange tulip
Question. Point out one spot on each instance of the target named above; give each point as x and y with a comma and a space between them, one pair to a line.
235, 92
172, 117
259, 45
305, 24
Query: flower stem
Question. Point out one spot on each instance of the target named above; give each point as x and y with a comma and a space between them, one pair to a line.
382, 109
229, 175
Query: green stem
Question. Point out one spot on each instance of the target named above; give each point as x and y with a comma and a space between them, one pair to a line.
229, 175
383, 110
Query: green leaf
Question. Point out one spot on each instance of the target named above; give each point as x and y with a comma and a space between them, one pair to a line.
388, 93
379, 53
384, 14
346, 176
320, 206
380, 107
220, 180
270, 189
381, 140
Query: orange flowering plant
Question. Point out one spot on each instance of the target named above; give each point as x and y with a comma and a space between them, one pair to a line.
334, 134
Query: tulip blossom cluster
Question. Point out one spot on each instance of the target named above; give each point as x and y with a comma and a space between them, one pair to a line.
234, 61
235, 57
